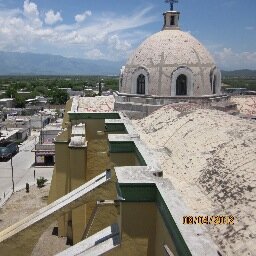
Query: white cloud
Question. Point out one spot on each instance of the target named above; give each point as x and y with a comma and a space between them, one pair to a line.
30, 9
109, 36
81, 17
94, 54
249, 28
228, 59
51, 17
117, 44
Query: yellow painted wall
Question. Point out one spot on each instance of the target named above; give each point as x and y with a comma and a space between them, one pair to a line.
66, 117
98, 158
92, 126
62, 165
162, 237
143, 231
78, 163
137, 229
53, 191
72, 170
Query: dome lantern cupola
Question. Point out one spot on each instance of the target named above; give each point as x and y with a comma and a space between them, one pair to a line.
171, 20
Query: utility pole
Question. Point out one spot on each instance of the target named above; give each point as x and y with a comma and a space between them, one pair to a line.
12, 176
41, 133
29, 126
100, 87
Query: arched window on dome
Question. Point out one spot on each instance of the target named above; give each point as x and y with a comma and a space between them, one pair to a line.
215, 78
181, 85
214, 84
141, 84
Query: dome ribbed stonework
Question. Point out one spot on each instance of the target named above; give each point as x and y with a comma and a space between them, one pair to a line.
166, 55
177, 47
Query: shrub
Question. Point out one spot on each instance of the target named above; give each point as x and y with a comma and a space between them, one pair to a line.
41, 182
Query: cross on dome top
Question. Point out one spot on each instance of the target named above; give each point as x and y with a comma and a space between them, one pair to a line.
171, 18
172, 2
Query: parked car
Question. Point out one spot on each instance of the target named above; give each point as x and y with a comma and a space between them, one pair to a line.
8, 149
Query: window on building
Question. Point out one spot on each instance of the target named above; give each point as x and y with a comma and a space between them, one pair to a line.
121, 81
172, 20
141, 84
181, 85
214, 84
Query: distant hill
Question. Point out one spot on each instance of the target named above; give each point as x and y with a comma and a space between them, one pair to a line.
240, 79
13, 63
243, 73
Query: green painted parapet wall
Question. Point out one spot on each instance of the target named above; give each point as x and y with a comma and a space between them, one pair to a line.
118, 128
126, 147
121, 147
73, 116
147, 192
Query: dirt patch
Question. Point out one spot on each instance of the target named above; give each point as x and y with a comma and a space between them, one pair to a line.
21, 205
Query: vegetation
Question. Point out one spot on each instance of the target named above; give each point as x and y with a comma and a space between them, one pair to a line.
58, 96
242, 73
240, 79
250, 84
41, 182
49, 86
112, 83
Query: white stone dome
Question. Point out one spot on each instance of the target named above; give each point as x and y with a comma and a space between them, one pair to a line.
178, 48
167, 61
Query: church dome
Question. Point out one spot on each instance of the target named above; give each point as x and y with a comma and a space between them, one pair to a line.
170, 63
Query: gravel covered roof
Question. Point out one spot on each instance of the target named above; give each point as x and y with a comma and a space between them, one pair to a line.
210, 157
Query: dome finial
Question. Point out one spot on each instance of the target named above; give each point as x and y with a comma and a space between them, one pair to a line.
171, 18
172, 2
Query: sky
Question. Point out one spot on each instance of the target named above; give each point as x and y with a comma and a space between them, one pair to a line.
113, 29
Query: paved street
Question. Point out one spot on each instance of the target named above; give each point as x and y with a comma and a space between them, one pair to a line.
23, 169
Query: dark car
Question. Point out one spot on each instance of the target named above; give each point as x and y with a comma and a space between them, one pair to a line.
8, 149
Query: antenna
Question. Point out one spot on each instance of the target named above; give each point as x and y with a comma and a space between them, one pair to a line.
172, 2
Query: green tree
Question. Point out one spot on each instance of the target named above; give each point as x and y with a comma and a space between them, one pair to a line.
11, 92
112, 84
58, 96
41, 90
20, 101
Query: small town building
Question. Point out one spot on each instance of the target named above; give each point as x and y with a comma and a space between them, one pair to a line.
8, 134
7, 102
39, 121
22, 134
37, 101
45, 148
71, 92
24, 94
14, 134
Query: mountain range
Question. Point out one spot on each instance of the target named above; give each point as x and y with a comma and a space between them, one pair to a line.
15, 63
243, 73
